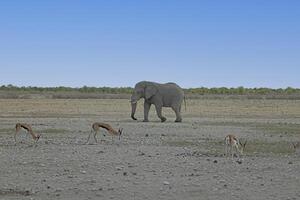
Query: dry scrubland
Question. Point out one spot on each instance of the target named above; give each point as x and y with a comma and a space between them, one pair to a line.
153, 160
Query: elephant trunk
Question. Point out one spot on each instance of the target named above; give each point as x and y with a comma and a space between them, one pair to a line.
133, 109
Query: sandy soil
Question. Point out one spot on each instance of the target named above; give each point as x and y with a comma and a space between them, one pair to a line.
152, 160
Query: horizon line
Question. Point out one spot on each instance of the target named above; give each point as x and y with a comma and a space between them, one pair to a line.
77, 87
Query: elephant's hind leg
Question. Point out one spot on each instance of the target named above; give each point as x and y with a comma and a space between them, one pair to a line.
158, 111
177, 112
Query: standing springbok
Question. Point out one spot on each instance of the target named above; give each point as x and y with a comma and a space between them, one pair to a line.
97, 125
231, 141
28, 128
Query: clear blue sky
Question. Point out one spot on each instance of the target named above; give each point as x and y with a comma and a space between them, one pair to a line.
210, 43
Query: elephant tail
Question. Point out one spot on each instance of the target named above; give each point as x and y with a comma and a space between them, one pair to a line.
184, 103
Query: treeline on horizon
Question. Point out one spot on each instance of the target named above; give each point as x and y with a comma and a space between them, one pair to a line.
128, 90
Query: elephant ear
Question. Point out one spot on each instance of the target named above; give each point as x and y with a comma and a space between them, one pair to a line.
150, 91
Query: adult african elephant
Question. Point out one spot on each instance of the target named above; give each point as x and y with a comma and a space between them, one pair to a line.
161, 95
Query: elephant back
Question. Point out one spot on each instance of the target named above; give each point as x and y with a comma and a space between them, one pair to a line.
173, 88
171, 84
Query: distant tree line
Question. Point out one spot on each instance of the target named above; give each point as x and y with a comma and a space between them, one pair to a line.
128, 90
243, 91
84, 89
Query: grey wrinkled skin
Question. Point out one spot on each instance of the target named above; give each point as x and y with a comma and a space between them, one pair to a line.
160, 95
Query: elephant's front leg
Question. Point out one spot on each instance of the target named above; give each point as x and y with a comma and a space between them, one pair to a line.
146, 111
158, 111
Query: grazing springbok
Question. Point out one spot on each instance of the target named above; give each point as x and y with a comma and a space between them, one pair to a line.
231, 141
97, 125
28, 128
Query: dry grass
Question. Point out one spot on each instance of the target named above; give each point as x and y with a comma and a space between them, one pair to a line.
273, 117
195, 108
244, 108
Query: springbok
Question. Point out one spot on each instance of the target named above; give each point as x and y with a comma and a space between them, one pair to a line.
28, 128
231, 141
97, 125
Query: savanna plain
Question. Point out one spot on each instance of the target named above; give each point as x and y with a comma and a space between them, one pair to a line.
152, 160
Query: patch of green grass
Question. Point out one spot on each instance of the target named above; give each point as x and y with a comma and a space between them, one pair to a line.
7, 131
280, 128
273, 128
216, 147
256, 147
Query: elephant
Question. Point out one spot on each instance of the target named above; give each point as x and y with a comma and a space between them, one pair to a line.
161, 95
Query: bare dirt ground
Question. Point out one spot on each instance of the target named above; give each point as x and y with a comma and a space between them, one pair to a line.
152, 160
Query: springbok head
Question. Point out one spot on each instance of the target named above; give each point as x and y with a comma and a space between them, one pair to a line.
37, 137
243, 146
295, 145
